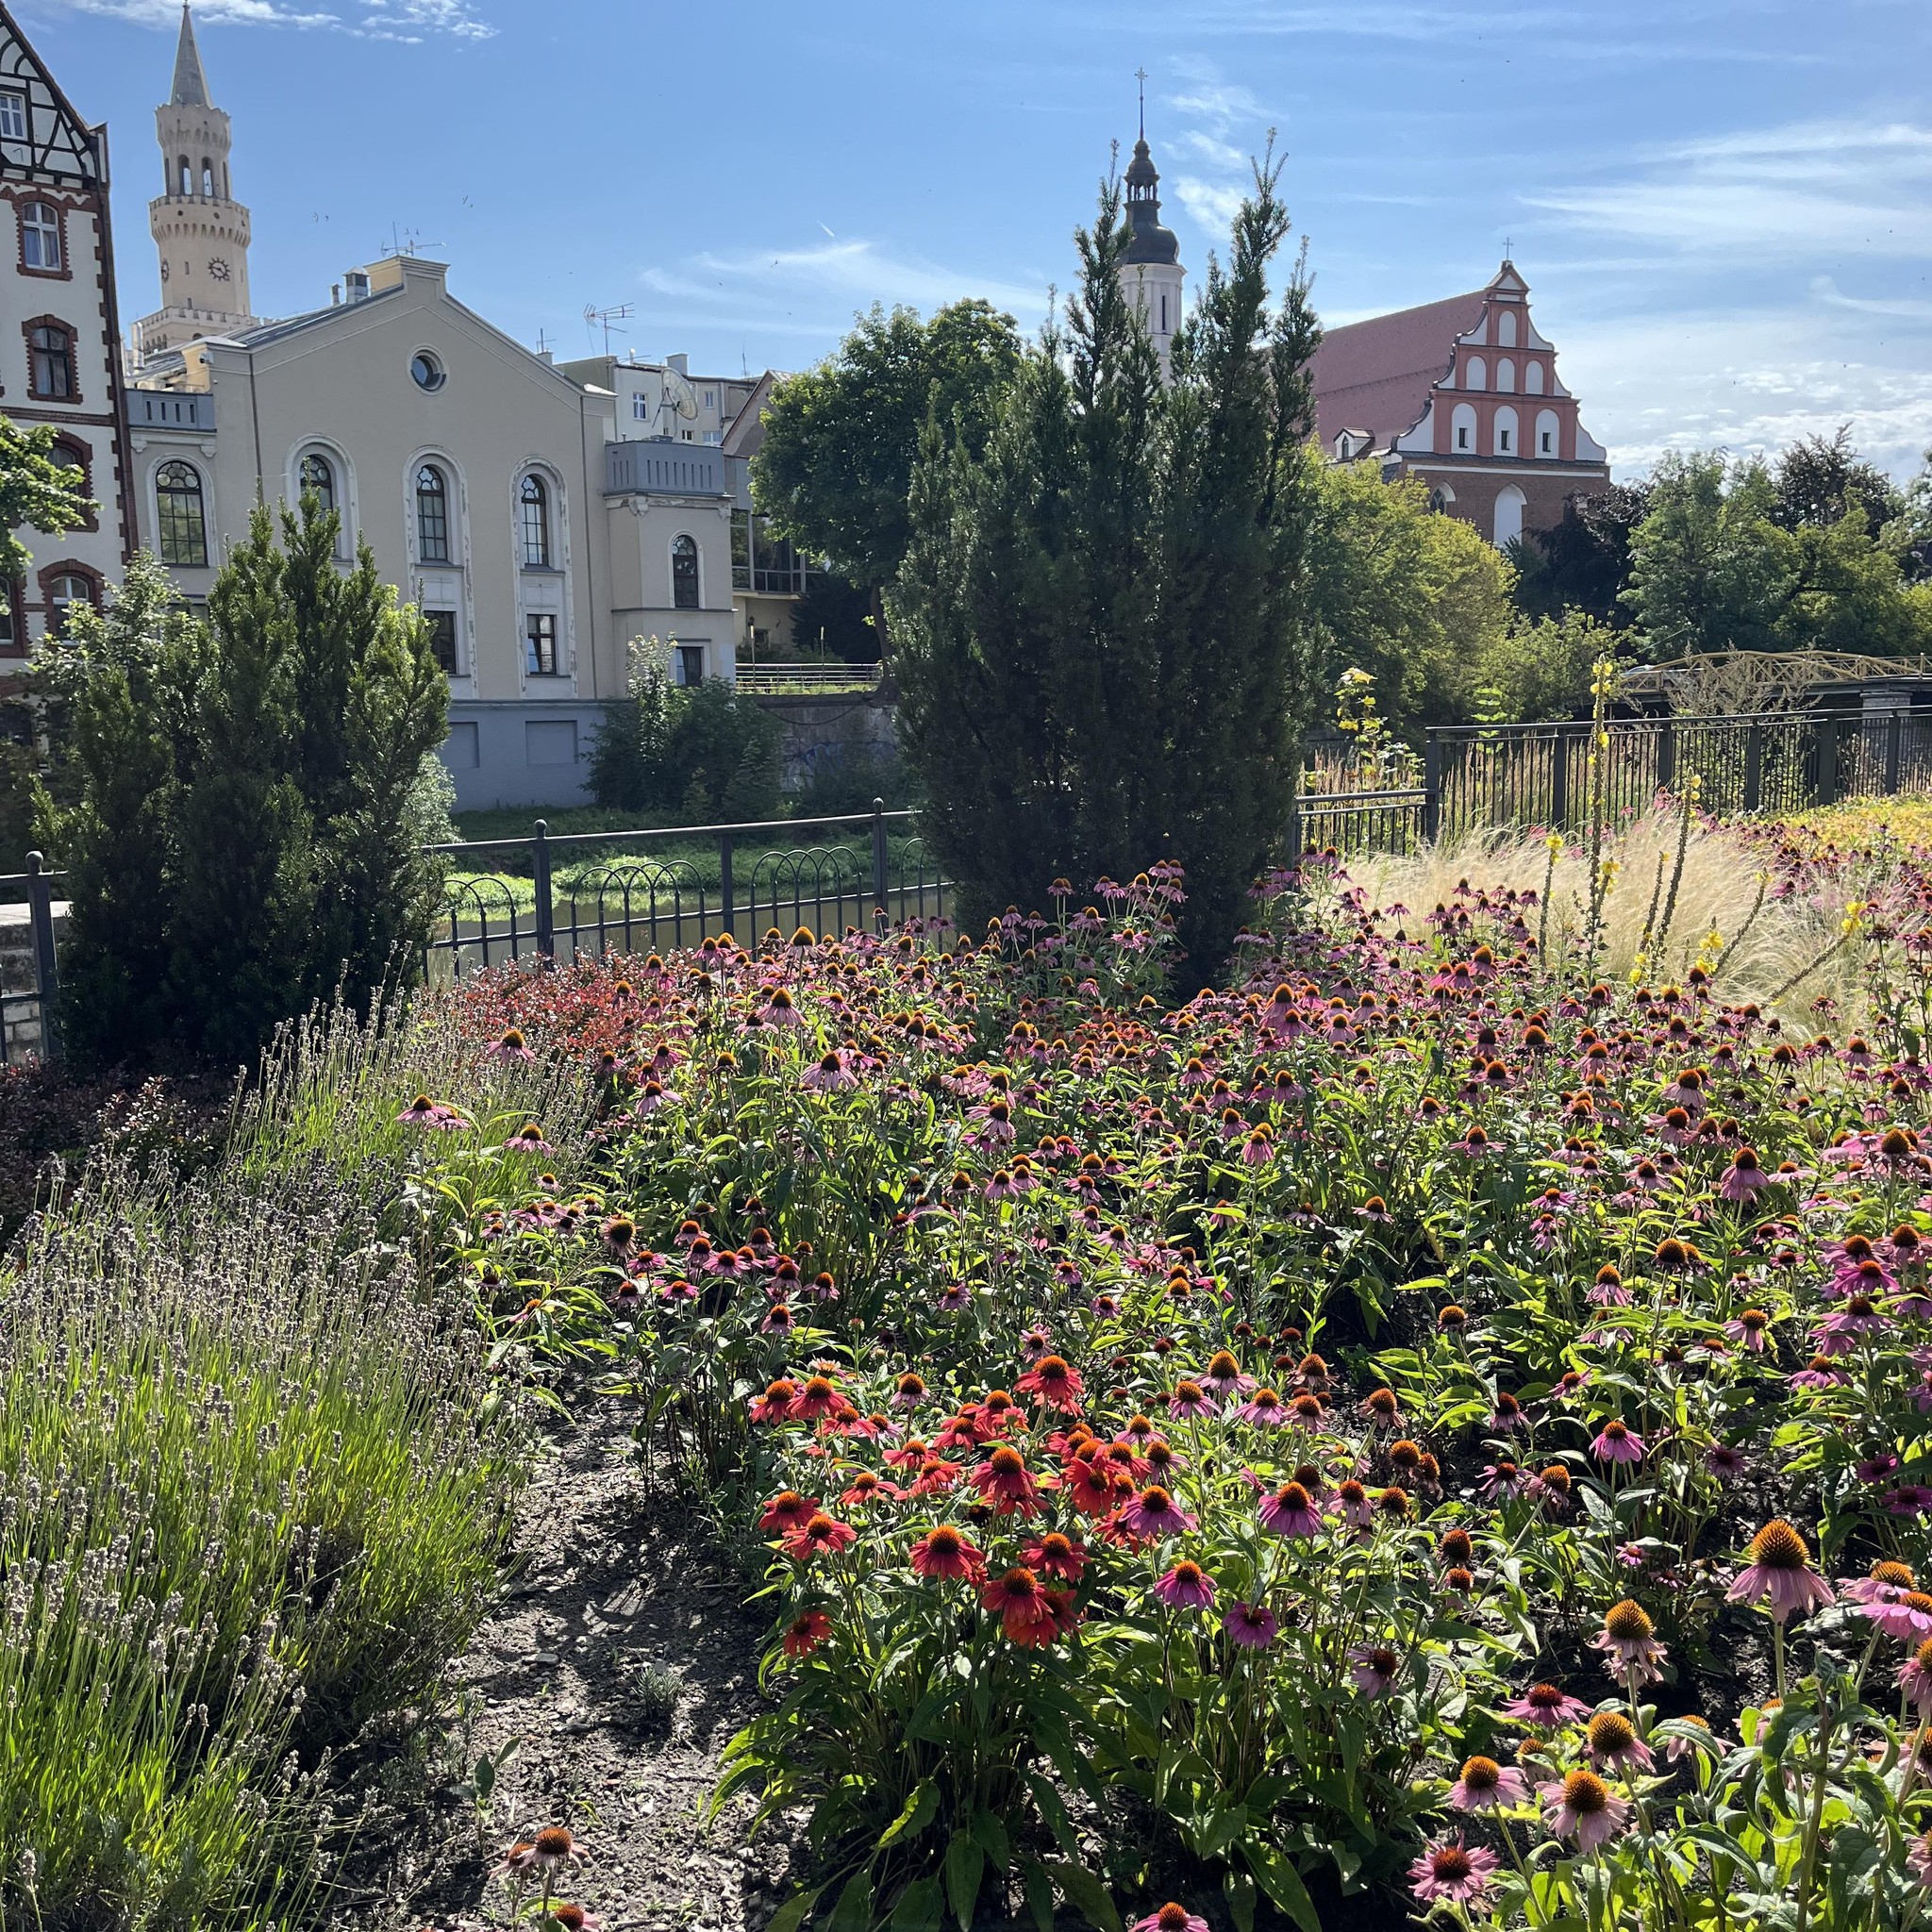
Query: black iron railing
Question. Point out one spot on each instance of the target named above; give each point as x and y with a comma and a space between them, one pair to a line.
556, 896
30, 964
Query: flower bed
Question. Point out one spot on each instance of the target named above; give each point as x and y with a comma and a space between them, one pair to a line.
1407, 1422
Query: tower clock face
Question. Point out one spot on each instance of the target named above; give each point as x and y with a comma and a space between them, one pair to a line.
219, 269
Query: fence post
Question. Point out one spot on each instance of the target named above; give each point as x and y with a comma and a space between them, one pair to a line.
546, 912
878, 863
40, 901
1754, 766
1667, 754
1432, 785
1825, 736
1894, 736
726, 884
1560, 779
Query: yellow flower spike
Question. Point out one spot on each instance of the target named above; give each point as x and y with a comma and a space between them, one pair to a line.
1554, 844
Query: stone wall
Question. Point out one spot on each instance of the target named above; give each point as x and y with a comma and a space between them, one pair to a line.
20, 1020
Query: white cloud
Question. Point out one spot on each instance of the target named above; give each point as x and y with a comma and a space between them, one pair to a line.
1212, 204
408, 21
1220, 103
1773, 194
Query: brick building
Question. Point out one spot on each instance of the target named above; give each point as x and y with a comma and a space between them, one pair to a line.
1464, 394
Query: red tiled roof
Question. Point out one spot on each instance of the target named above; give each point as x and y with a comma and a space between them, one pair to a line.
1377, 374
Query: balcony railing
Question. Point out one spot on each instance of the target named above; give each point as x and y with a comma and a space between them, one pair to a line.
168, 409
807, 680
657, 466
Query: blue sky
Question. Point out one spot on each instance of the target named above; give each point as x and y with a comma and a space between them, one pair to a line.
1725, 211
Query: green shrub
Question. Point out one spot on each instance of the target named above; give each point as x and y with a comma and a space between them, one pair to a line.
698, 754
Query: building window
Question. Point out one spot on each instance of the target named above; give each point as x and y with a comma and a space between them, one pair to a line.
76, 456
540, 644
50, 363
684, 574
426, 372
40, 236
180, 525
1505, 329
12, 115
208, 181
1548, 434
1463, 425
1506, 433
432, 515
1510, 508
640, 407
65, 590
442, 637
533, 522
13, 639
318, 479
690, 665
186, 180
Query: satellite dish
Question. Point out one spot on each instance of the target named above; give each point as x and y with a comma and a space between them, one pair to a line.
680, 398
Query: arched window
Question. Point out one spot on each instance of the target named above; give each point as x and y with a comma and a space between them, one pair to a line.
40, 235
1549, 434
1462, 430
1506, 375
1506, 434
74, 455
317, 476
66, 589
1505, 329
208, 179
180, 529
187, 176
533, 522
50, 363
1441, 497
1533, 378
1475, 374
432, 515
1510, 501
684, 573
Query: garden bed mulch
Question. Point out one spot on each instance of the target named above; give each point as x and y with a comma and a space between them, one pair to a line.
621, 1661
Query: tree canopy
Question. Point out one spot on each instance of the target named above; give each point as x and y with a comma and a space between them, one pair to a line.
1101, 630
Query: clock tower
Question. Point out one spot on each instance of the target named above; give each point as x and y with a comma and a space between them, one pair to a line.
200, 230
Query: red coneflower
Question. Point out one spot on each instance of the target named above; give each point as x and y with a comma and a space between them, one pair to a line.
1005, 1481
1056, 1555
1020, 1600
820, 1535
1053, 1383
776, 1405
806, 1632
1153, 1515
945, 1553
788, 1511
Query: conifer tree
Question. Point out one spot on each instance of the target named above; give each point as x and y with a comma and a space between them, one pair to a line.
1101, 640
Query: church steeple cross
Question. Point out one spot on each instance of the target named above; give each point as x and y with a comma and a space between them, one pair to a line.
1140, 75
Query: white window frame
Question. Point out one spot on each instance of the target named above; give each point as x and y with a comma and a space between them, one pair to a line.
46, 232
13, 116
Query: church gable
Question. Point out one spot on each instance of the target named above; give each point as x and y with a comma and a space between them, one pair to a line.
41, 137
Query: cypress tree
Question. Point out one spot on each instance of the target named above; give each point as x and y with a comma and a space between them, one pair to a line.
1099, 629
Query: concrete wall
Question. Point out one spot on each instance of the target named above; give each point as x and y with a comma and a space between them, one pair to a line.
823, 730
508, 753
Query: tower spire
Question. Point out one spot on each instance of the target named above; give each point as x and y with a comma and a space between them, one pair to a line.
190, 83
1139, 74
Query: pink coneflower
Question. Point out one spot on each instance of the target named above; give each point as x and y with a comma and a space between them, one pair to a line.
943, 1553
1474, 1144
806, 1632
1053, 1383
1820, 1372
1376, 1667
1780, 1573
1222, 1376
1189, 1399
1919, 1858
1056, 1555
822, 1536
1382, 1408
1725, 1462
830, 1073
1750, 1329
1617, 1442
1583, 1806
513, 1047
1504, 1480
1170, 1918
1887, 1582
570, 1918
1629, 1637
1186, 1587
780, 1009
1544, 1708
1250, 1626
1452, 1873
424, 1112
1154, 1513
1352, 1499
1744, 1178
1005, 1481
1612, 1739
1705, 1740
1264, 1408
548, 1853
1483, 1785
1508, 1416
1905, 1615
1915, 1679
1290, 1511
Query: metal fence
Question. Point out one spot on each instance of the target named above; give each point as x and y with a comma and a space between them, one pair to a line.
1540, 775
29, 967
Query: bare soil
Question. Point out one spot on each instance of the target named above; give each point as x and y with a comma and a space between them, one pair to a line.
617, 1665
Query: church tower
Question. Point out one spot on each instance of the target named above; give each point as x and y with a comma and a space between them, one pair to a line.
1152, 272
200, 230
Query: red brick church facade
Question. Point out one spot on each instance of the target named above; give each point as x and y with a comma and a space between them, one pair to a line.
1464, 394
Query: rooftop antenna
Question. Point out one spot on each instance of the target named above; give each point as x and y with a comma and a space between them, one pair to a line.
1140, 75
406, 242
542, 344
608, 319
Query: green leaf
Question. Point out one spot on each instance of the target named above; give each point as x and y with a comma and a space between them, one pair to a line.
992, 1836
1087, 1894
852, 1913
965, 1863
1040, 1893
1239, 1889
1283, 1884
792, 1914
916, 1815
918, 1910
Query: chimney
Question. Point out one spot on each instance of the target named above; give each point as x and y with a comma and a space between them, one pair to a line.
335, 295
680, 363
357, 282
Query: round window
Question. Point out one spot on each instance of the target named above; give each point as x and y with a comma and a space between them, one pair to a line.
427, 370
